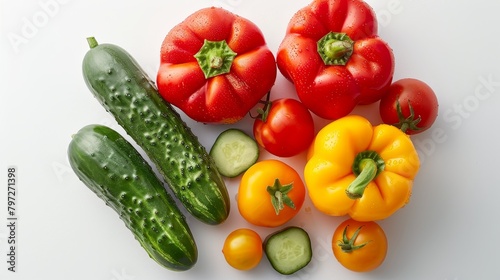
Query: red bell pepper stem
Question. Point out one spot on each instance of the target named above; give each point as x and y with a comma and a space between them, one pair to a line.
335, 48
367, 165
215, 58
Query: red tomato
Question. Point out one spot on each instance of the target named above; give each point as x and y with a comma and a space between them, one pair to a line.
409, 104
285, 128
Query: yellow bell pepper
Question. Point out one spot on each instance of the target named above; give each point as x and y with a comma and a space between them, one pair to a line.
360, 170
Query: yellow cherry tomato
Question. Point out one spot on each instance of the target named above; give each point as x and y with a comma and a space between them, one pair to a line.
359, 246
243, 249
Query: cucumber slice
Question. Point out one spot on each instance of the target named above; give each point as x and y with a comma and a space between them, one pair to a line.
234, 152
288, 250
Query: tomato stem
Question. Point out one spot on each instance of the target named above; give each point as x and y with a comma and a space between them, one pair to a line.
347, 244
367, 165
335, 48
215, 58
279, 196
263, 112
409, 122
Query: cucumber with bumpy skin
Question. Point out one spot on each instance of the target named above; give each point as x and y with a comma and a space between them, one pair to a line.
124, 89
113, 169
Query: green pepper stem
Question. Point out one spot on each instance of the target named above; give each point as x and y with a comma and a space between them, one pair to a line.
335, 48
367, 165
92, 42
215, 58
368, 172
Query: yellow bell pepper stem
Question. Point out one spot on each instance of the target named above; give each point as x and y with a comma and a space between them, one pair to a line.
367, 165
357, 187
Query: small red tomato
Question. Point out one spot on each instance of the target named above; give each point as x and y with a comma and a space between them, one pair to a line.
284, 128
410, 105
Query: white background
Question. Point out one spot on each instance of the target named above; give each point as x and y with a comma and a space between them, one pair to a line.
450, 230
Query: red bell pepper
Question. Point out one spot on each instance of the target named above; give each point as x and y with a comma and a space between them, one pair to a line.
334, 57
215, 66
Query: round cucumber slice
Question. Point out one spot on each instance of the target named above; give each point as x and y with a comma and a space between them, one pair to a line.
288, 250
234, 152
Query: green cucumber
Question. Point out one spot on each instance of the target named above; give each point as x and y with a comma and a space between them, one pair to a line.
124, 89
234, 152
288, 250
113, 169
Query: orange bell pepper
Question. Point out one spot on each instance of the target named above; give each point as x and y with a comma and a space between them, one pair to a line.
360, 170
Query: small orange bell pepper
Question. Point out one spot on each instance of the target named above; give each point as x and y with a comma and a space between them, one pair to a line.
360, 170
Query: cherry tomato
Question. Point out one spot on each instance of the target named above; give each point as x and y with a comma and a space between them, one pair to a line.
243, 249
284, 128
359, 246
270, 193
409, 104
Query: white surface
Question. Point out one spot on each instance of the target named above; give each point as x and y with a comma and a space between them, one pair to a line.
449, 230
